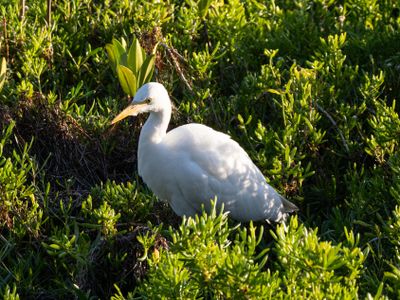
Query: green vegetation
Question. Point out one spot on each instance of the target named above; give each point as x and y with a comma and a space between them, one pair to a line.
308, 88
133, 67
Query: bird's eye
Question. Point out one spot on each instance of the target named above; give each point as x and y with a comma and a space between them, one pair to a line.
148, 100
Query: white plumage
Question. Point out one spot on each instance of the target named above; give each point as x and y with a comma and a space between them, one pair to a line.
193, 163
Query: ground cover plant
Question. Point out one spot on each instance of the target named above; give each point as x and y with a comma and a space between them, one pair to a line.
308, 88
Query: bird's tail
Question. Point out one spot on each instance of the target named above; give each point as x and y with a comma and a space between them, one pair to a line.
288, 207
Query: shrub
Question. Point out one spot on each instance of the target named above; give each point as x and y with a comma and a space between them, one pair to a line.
308, 88
207, 258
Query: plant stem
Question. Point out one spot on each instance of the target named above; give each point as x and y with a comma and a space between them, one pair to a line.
22, 12
49, 13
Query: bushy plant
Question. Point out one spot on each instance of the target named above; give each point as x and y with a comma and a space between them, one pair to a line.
20, 212
320, 269
207, 258
108, 202
308, 88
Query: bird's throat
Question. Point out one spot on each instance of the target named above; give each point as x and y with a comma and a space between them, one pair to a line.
155, 128
151, 136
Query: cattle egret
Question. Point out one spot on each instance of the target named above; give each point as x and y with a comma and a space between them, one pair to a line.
193, 163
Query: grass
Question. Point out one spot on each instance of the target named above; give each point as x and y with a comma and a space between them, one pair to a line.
308, 88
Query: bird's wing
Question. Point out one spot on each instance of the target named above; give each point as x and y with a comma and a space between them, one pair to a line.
212, 164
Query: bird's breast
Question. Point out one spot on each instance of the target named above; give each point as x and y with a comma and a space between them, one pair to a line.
154, 166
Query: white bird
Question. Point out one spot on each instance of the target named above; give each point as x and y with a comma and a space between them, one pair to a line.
193, 163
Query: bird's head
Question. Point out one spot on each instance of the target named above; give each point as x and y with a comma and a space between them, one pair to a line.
151, 97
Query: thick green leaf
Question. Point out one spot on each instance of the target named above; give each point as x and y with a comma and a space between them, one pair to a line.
120, 52
144, 55
127, 80
147, 69
132, 58
111, 56
135, 56
123, 43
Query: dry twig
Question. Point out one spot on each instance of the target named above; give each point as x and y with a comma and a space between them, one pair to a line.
174, 54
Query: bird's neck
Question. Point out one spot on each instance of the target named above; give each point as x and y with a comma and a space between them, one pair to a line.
155, 128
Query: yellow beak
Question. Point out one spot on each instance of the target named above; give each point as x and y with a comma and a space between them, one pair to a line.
131, 110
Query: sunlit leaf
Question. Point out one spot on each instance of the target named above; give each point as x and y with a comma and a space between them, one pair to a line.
127, 80
119, 52
203, 6
111, 56
147, 69
135, 56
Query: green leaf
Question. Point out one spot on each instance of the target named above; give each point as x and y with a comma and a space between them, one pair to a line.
119, 52
123, 43
240, 119
132, 57
135, 57
55, 246
144, 55
274, 91
147, 69
203, 7
111, 55
127, 80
